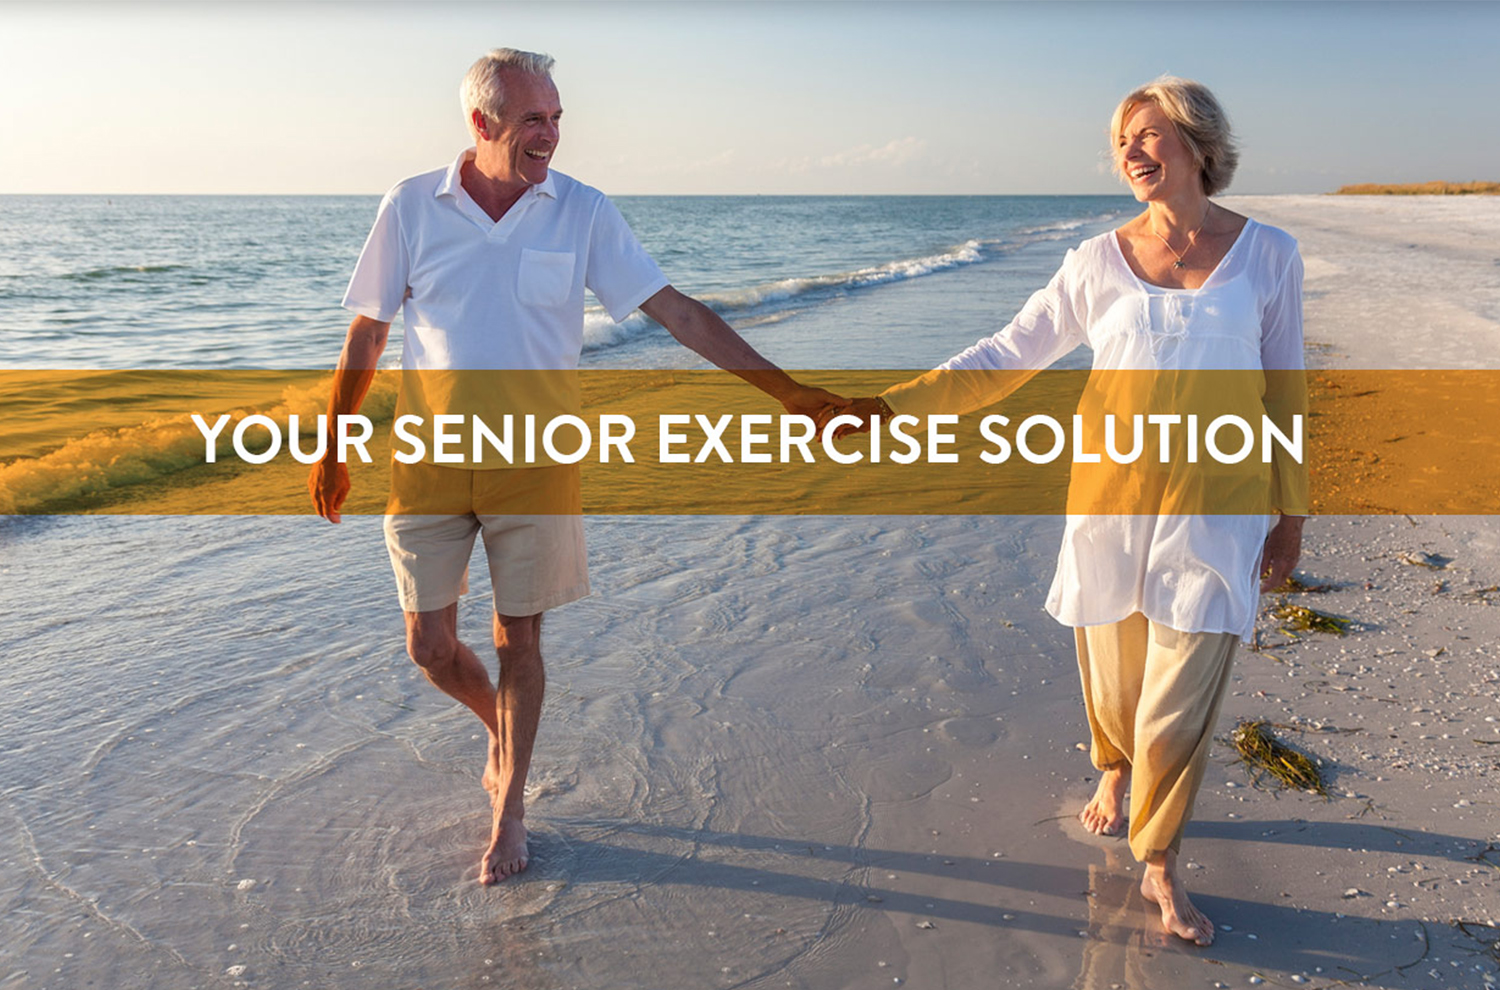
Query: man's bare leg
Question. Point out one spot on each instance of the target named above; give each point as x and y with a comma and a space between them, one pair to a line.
1106, 812
518, 709
1162, 887
432, 642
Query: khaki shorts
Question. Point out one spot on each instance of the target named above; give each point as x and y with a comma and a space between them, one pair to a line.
537, 558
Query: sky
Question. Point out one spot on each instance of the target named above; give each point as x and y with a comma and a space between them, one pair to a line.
737, 98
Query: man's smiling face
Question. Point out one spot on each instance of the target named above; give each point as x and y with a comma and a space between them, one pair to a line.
526, 135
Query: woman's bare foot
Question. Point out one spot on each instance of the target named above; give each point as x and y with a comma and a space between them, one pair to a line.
506, 855
1106, 812
1178, 916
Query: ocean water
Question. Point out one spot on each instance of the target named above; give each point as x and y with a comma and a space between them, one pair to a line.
217, 766
219, 283
252, 281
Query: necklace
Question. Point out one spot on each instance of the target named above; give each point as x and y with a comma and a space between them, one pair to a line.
1192, 239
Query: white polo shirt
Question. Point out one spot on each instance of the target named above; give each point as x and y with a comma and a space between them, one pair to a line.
479, 294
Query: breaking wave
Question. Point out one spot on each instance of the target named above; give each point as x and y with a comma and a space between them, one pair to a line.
600, 331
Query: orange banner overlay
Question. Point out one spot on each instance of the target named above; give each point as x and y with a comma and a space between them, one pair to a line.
154, 442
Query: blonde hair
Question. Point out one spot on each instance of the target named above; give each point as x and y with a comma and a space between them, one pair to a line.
482, 89
1200, 122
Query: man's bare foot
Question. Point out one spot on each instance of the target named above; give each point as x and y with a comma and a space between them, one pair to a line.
506, 855
1106, 812
1178, 916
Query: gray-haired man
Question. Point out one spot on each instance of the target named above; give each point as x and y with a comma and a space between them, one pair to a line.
487, 260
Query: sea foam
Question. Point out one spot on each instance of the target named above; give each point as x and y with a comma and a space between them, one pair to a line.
600, 332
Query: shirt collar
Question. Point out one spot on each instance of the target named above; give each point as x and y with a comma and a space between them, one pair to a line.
453, 179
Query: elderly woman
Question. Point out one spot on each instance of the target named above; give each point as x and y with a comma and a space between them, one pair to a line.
1159, 600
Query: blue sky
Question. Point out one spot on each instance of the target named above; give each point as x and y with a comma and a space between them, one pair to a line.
737, 97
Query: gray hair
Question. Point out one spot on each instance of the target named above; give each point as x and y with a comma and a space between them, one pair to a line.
1200, 122
482, 89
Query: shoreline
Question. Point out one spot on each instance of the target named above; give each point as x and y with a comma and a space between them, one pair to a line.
814, 752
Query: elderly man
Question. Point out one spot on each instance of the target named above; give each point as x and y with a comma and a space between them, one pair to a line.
487, 259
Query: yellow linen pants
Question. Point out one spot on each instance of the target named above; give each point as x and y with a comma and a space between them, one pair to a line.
1152, 694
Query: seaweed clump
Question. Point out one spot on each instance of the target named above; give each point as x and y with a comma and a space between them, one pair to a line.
1294, 586
1300, 618
1264, 753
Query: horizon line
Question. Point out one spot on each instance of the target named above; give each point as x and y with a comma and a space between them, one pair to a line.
700, 195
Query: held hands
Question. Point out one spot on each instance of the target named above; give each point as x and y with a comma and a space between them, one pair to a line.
819, 404
1283, 547
862, 408
328, 483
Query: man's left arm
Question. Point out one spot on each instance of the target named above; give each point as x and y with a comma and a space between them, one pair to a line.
702, 330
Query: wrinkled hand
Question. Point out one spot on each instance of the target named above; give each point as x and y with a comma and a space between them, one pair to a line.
328, 483
819, 404
863, 408
1283, 547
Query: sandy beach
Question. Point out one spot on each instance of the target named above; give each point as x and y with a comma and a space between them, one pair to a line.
779, 752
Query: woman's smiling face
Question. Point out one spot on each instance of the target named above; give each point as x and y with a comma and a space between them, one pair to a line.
1153, 158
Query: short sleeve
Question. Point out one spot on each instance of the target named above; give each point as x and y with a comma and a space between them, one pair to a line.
1045, 329
1281, 358
378, 285
620, 272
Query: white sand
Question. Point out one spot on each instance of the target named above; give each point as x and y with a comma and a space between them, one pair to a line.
1395, 281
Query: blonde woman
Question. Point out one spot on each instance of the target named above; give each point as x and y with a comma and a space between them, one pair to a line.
1159, 602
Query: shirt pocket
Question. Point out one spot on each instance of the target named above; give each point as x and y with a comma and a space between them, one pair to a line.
545, 277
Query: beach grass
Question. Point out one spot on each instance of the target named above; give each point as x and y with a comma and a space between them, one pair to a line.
1420, 189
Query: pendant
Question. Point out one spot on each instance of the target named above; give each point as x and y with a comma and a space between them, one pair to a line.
1179, 263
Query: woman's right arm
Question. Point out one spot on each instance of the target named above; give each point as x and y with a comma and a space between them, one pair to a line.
1045, 329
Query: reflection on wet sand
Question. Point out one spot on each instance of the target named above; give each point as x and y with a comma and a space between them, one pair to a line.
1119, 928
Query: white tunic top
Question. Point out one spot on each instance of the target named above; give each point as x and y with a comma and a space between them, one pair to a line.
1194, 573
